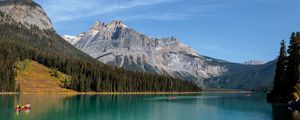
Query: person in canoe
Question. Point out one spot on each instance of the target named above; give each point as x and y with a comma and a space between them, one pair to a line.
19, 106
27, 106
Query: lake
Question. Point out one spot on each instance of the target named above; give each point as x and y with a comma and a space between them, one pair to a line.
205, 106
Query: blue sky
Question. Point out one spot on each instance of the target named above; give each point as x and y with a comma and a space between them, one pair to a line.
233, 30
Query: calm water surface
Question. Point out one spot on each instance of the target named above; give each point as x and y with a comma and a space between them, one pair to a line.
206, 106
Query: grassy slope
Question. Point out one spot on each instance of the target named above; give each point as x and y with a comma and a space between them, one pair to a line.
36, 78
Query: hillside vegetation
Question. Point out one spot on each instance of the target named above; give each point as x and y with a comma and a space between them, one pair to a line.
33, 77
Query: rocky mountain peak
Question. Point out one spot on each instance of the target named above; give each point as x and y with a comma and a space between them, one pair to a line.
115, 44
98, 25
117, 23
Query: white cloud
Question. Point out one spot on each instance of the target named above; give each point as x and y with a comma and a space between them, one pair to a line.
153, 16
65, 10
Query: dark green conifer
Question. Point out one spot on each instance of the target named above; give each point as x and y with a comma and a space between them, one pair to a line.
293, 68
287, 78
279, 91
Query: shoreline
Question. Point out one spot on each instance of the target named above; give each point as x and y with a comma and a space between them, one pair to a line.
9, 93
123, 93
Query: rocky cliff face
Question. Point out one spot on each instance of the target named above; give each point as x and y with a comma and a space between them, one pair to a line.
26, 12
116, 44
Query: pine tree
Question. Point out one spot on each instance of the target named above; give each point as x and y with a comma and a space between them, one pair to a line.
280, 84
292, 72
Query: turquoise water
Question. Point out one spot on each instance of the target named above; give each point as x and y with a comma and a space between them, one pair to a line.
143, 107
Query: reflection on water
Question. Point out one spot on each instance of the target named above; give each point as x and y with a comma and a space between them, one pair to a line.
296, 115
25, 111
281, 112
144, 107
6, 101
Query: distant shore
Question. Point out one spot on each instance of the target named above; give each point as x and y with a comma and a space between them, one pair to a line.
127, 93
217, 90
9, 93
101, 93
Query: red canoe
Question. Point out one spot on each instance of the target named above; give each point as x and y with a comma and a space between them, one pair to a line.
20, 109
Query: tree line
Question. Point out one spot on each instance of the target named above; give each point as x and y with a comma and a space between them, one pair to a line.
18, 43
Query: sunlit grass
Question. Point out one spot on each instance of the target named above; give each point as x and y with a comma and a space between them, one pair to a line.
37, 78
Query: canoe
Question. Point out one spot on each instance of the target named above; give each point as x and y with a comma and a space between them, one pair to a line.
21, 109
171, 97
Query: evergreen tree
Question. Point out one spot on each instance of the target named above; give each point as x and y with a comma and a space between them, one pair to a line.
280, 84
293, 70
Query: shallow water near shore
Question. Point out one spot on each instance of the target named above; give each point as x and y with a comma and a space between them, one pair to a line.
204, 106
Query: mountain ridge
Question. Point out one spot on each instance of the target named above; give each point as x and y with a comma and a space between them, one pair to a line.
120, 46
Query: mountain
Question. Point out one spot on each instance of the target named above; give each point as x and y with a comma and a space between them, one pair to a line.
249, 77
116, 44
26, 12
27, 33
254, 62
